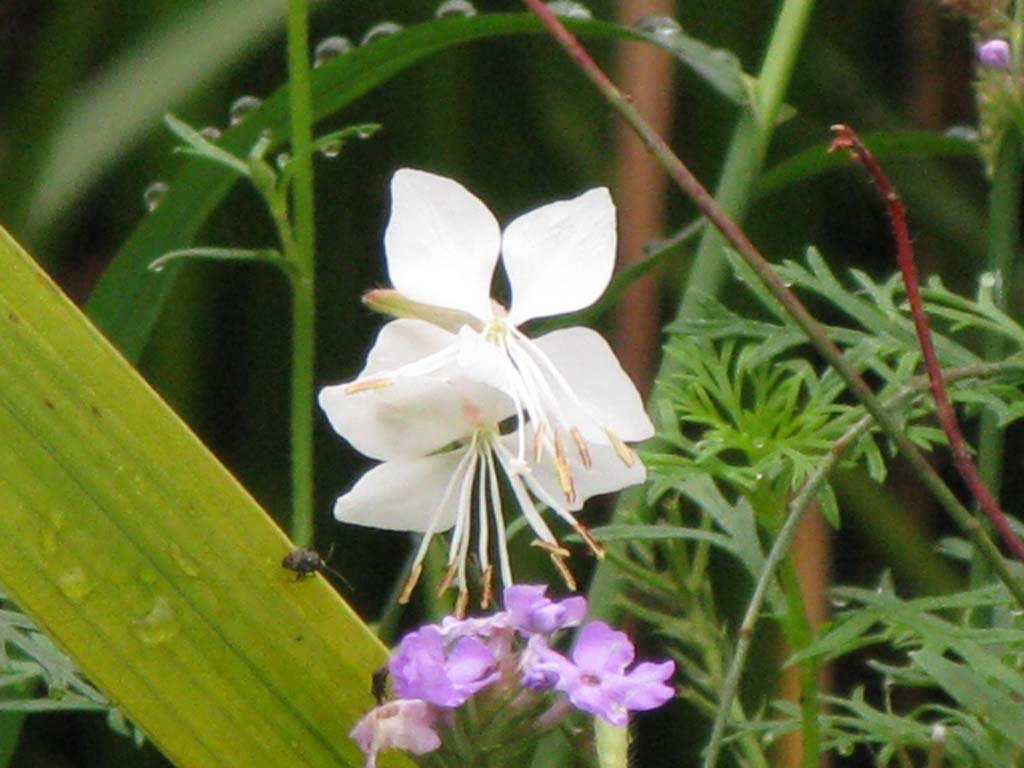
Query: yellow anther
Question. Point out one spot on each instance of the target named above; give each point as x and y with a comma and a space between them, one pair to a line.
581, 447
623, 451
565, 478
365, 386
410, 584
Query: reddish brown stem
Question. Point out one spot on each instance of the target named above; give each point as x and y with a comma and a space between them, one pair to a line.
846, 138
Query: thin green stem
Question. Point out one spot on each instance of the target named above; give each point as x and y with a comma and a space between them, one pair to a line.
747, 151
765, 272
743, 163
797, 628
303, 286
1003, 247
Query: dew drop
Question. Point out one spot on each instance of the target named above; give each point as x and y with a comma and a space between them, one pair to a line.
210, 132
241, 108
569, 9
377, 31
965, 132
658, 26
186, 563
159, 625
331, 149
455, 8
76, 584
330, 48
282, 160
154, 195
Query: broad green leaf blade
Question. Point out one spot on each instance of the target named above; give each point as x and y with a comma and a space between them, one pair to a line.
128, 299
137, 552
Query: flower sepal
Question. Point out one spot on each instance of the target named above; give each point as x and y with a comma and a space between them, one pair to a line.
388, 301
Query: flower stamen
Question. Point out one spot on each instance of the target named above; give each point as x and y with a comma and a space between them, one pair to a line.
626, 454
581, 447
368, 385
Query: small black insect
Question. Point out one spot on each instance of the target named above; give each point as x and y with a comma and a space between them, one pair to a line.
305, 562
379, 685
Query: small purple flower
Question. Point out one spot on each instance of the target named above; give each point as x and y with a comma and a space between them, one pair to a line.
995, 54
596, 680
424, 668
531, 612
402, 724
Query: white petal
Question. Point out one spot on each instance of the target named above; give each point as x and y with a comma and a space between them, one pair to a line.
607, 474
441, 242
402, 495
402, 342
590, 367
559, 258
412, 417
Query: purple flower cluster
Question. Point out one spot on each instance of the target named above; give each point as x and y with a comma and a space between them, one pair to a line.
438, 668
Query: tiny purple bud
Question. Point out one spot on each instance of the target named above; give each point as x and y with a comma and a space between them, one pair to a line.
531, 612
995, 54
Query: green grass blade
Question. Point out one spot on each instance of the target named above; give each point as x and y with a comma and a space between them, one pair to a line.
135, 550
817, 160
128, 298
181, 54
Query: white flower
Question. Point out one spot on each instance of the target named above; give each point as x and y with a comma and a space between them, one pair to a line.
444, 458
442, 247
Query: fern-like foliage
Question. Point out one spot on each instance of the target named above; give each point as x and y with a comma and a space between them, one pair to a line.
37, 676
945, 675
749, 414
752, 411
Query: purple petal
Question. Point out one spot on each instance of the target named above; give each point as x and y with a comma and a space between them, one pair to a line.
544, 668
595, 700
647, 689
531, 612
471, 666
602, 650
402, 724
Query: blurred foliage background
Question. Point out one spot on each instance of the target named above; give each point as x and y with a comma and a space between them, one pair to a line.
512, 120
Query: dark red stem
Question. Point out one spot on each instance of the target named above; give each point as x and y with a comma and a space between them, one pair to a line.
846, 138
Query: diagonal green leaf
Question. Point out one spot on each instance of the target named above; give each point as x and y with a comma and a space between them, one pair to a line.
139, 554
128, 298
817, 160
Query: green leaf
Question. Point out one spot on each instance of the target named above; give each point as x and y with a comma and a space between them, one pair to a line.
111, 112
977, 694
128, 299
817, 160
266, 256
139, 554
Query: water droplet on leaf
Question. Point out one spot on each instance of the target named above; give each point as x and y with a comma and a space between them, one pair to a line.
330, 48
659, 26
154, 195
76, 584
241, 107
186, 563
282, 160
965, 132
331, 149
453, 8
569, 9
378, 31
210, 132
159, 625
